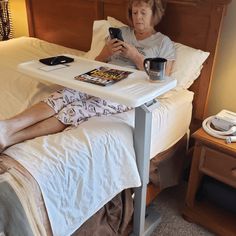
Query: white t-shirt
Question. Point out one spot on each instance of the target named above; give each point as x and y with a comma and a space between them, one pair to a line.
157, 45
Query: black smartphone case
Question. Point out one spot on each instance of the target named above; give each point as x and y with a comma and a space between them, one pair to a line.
115, 33
52, 61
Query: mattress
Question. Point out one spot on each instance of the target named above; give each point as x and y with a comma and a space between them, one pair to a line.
171, 120
98, 151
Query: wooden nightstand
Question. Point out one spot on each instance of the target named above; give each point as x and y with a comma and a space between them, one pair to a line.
214, 158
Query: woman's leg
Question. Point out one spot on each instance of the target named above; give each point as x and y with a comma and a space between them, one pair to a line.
27, 118
45, 127
21, 127
80, 111
34, 114
61, 98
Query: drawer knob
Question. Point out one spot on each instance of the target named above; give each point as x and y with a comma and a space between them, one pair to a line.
234, 172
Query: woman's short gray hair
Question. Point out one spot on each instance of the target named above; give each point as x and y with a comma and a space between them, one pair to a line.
156, 6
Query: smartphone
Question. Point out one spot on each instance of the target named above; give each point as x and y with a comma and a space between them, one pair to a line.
115, 33
52, 61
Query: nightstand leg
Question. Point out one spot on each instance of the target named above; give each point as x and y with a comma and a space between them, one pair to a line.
195, 177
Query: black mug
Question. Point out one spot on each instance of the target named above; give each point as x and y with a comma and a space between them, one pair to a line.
155, 68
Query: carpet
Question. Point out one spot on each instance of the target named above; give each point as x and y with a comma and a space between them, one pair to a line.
170, 205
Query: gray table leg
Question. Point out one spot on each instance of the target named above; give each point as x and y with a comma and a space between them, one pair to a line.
145, 220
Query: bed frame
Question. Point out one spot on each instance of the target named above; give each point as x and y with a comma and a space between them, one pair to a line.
196, 23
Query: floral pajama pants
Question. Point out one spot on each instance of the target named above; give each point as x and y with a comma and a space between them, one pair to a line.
73, 107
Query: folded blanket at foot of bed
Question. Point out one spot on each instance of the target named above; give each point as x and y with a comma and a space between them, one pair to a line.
17, 216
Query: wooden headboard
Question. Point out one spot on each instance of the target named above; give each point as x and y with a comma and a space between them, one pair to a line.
196, 23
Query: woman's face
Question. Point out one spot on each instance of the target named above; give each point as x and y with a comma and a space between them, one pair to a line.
142, 17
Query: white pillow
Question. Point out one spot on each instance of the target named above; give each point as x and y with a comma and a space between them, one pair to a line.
114, 22
100, 33
187, 66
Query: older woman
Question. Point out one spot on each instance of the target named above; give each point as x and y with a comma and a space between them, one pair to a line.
70, 107
141, 38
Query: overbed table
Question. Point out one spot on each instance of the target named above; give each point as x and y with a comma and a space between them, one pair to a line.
135, 91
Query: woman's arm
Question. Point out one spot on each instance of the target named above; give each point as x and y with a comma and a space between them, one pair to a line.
117, 47
111, 48
133, 54
169, 66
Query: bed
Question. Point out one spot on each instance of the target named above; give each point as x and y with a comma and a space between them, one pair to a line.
86, 31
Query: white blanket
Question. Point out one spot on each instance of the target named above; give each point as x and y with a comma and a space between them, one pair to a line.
81, 169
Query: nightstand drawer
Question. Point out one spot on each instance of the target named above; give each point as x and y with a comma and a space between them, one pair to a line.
218, 165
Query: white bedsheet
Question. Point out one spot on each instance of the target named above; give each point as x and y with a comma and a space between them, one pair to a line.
90, 161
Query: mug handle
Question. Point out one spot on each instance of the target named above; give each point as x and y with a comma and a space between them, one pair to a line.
145, 62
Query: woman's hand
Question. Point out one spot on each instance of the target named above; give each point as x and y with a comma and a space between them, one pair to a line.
116, 47
112, 47
132, 54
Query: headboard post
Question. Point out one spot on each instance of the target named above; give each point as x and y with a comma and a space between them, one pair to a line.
30, 17
212, 43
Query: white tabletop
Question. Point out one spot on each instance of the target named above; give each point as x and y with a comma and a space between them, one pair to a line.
132, 91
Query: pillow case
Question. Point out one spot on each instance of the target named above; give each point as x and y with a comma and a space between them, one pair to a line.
114, 22
186, 68
188, 65
100, 33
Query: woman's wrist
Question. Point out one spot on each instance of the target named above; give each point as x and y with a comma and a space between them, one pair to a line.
103, 56
138, 61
